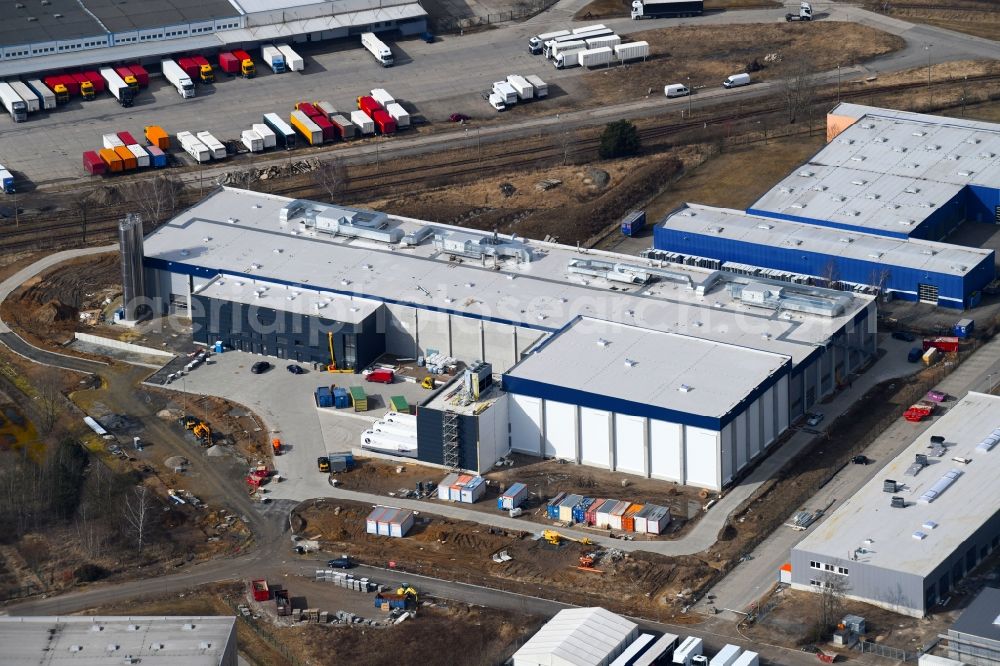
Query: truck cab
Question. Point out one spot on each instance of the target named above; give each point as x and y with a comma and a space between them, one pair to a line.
61, 93
206, 74
496, 101
87, 90
805, 13
131, 82
323, 464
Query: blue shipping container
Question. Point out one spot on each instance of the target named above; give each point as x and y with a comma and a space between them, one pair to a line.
323, 397
964, 328
341, 398
634, 222
552, 508
580, 510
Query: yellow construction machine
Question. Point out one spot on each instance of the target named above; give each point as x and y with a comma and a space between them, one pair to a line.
554, 538
427, 382
333, 359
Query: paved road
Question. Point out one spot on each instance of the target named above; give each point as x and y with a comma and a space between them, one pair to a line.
437, 79
750, 580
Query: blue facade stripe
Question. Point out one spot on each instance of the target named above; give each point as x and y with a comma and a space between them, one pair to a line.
201, 271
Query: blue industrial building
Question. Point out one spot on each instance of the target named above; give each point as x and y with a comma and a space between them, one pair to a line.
914, 270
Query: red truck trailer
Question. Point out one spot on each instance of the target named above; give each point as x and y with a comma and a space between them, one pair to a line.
261, 592
329, 129
229, 63
308, 109
93, 163
127, 138
947, 344
96, 79
190, 67
369, 105
384, 123
140, 74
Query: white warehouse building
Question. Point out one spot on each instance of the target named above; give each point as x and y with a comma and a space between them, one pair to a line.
614, 361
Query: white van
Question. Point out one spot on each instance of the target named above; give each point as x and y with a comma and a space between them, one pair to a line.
736, 80
676, 90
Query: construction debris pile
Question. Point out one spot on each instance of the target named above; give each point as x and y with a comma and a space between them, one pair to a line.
270, 172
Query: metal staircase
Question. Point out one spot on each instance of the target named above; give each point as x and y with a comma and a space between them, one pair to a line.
449, 428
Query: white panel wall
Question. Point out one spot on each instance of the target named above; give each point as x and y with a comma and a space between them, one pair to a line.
595, 437
666, 450
400, 327
767, 413
630, 441
782, 394
493, 439
701, 453
499, 345
560, 430
753, 429
527, 337
432, 331
727, 454
525, 416
466, 339
739, 427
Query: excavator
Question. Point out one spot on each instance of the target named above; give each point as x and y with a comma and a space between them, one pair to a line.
199, 429
333, 359
554, 538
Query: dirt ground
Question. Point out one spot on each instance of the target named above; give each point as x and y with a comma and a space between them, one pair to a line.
637, 583
975, 17
545, 479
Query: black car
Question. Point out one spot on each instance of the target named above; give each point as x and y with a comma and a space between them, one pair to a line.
342, 562
861, 460
260, 367
905, 336
295, 369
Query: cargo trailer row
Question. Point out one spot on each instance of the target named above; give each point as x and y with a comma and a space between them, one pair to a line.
118, 156
604, 513
539, 44
516, 88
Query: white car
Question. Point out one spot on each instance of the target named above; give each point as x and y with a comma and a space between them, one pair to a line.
814, 419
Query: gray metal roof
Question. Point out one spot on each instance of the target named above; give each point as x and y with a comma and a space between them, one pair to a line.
701, 377
541, 294
889, 170
887, 535
17, 26
345, 309
982, 617
579, 636
739, 226
99, 640
120, 16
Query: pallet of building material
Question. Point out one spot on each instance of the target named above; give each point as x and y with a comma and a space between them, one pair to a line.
801, 520
547, 184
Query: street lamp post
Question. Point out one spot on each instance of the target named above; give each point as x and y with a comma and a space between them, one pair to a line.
927, 47
838, 83
689, 97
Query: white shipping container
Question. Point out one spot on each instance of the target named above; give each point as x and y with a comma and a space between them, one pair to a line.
632, 51
506, 91
293, 61
541, 87
473, 490
28, 95
48, 97
141, 156
607, 40
253, 141
194, 147
444, 488
399, 114
726, 656
382, 96
596, 57
524, 89
365, 124
213, 144
748, 658
111, 141
265, 133
274, 58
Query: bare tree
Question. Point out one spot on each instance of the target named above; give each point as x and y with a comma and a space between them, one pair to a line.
831, 274
331, 175
564, 143
830, 605
137, 509
81, 206
799, 91
879, 278
155, 198
49, 399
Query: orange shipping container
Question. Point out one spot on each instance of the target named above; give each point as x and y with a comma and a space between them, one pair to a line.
628, 520
128, 159
111, 158
157, 137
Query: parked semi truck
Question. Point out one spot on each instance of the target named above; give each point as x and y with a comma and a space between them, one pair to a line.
293, 61
16, 107
33, 101
377, 48
666, 8
536, 43
805, 13
117, 86
178, 78
274, 58
47, 96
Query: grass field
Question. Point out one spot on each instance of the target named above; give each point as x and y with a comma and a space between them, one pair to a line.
975, 17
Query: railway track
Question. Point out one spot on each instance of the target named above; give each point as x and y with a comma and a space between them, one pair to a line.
65, 233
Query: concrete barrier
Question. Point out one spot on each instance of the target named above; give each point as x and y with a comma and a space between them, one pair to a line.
118, 344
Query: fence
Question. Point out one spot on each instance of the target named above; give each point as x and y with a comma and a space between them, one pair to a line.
450, 24
884, 651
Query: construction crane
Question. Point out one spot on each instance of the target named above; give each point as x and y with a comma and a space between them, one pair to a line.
554, 538
333, 359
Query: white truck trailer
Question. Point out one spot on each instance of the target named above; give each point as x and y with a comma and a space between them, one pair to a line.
541, 87
33, 101
194, 147
507, 91
536, 43
274, 58
42, 90
607, 40
254, 142
16, 107
214, 145
116, 86
178, 79
598, 57
632, 51
382, 96
525, 90
565, 47
293, 61
377, 48
363, 122
399, 114
266, 135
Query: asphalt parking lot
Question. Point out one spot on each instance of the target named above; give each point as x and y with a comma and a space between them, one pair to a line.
285, 404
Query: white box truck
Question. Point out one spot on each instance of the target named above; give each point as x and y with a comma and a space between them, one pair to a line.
16, 107
194, 147
606, 40
363, 122
398, 114
748, 658
568, 59
506, 91
116, 86
266, 135
274, 58
293, 61
541, 87
377, 48
214, 145
685, 653
382, 96
496, 101
596, 57
42, 90
525, 90
632, 51
726, 656
736, 80
254, 142
536, 43
31, 100
178, 79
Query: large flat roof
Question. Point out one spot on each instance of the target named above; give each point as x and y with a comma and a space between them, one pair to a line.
541, 294
665, 370
123, 17
580, 636
909, 253
981, 618
889, 170
335, 307
193, 641
39, 23
946, 522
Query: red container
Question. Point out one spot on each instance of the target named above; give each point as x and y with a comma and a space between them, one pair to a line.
329, 129
190, 67
261, 592
229, 63
385, 123
590, 517
945, 344
96, 79
242, 55
308, 109
127, 138
200, 60
125, 71
369, 105
93, 163
140, 74
78, 78
53, 81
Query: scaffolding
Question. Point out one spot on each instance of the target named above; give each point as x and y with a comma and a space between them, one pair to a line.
449, 428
